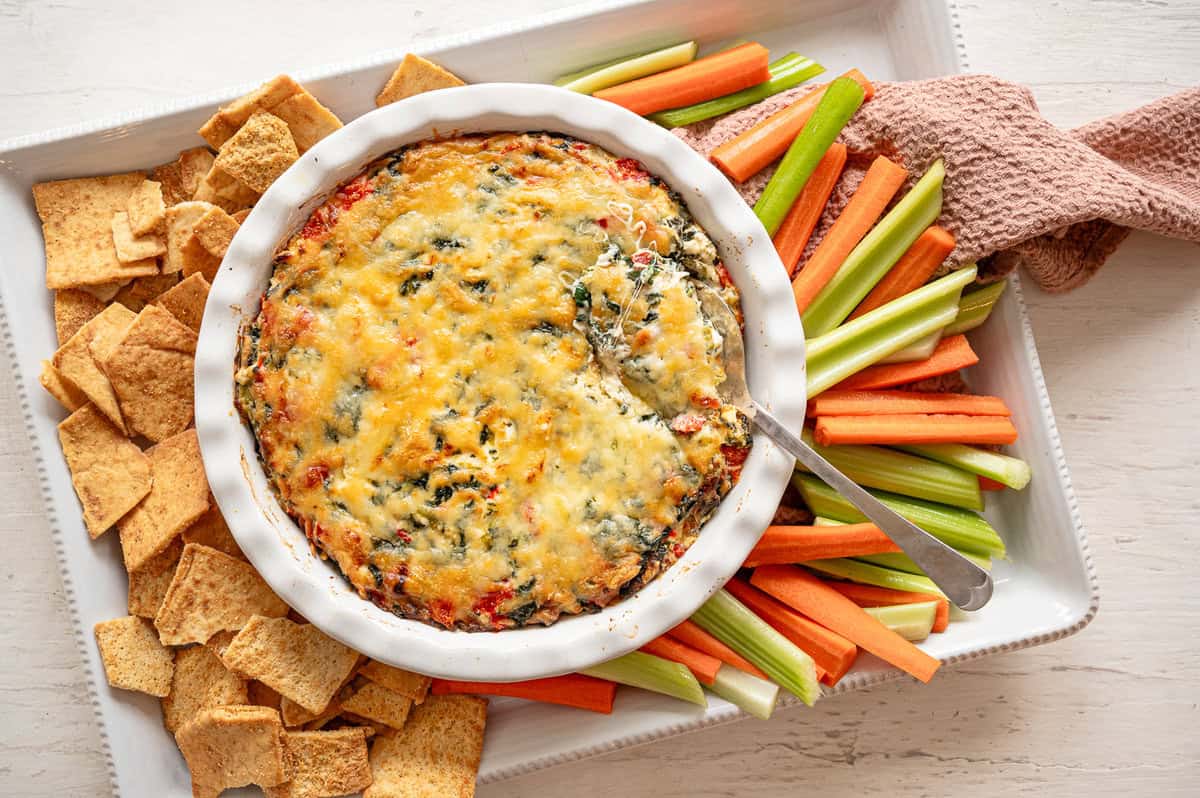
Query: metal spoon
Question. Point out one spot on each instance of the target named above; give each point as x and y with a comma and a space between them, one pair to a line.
963, 582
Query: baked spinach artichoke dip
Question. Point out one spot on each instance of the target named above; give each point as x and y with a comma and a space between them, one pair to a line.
425, 387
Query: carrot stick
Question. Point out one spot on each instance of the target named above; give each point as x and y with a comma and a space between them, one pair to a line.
952, 354
792, 236
878, 186
783, 545
715, 76
872, 596
990, 484
911, 428
569, 690
703, 666
806, 593
912, 271
830, 651
889, 403
690, 634
749, 152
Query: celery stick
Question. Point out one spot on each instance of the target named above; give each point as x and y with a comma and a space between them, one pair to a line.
756, 696
842, 98
602, 76
975, 307
1006, 470
962, 529
879, 250
820, 520
731, 622
848, 349
911, 621
901, 562
918, 350
906, 474
868, 574
786, 73
648, 672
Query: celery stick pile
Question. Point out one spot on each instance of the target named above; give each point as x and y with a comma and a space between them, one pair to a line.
885, 325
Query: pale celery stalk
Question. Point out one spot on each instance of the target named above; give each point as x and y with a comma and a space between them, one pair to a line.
975, 307
820, 520
731, 622
602, 76
879, 250
911, 621
1006, 470
954, 526
906, 474
756, 696
918, 350
850, 348
868, 574
648, 672
842, 98
901, 562
786, 73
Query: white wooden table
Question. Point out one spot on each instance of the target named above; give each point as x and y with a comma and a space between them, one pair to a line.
1110, 712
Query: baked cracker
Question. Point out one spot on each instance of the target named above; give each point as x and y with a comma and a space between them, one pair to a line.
413, 686
148, 584
150, 370
232, 746
140, 292
132, 248
308, 120
185, 300
201, 682
66, 394
109, 472
75, 361
181, 177
73, 309
377, 703
320, 764
146, 209
178, 496
435, 755
259, 152
415, 75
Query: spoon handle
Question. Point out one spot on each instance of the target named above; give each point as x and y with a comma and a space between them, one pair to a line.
963, 582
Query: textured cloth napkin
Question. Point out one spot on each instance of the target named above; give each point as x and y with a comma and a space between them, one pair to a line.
1018, 190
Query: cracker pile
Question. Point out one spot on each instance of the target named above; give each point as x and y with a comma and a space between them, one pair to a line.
252, 692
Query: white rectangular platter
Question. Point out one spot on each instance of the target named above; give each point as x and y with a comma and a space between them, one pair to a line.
1047, 589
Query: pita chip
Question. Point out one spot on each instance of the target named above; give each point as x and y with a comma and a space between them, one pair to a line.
177, 497
131, 247
77, 226
411, 685
211, 530
133, 658
259, 152
225, 191
203, 250
109, 472
180, 178
306, 118
150, 371
212, 592
435, 754
76, 364
376, 703
67, 395
146, 209
73, 309
141, 291
323, 763
185, 301
413, 76
232, 746
200, 682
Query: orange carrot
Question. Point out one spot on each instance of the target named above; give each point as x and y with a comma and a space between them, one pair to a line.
715, 76
703, 666
951, 354
690, 634
911, 428
783, 545
872, 596
805, 593
792, 236
830, 651
888, 403
569, 690
912, 271
990, 484
749, 152
878, 186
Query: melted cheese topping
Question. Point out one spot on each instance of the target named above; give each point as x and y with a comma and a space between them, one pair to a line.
426, 400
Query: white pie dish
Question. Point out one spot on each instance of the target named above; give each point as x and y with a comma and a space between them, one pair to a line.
313, 587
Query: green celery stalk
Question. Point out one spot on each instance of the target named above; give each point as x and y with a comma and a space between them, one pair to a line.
975, 307
1006, 470
842, 98
918, 350
850, 348
911, 621
731, 622
962, 529
868, 574
756, 696
901, 562
878, 252
786, 73
623, 70
887, 469
648, 672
